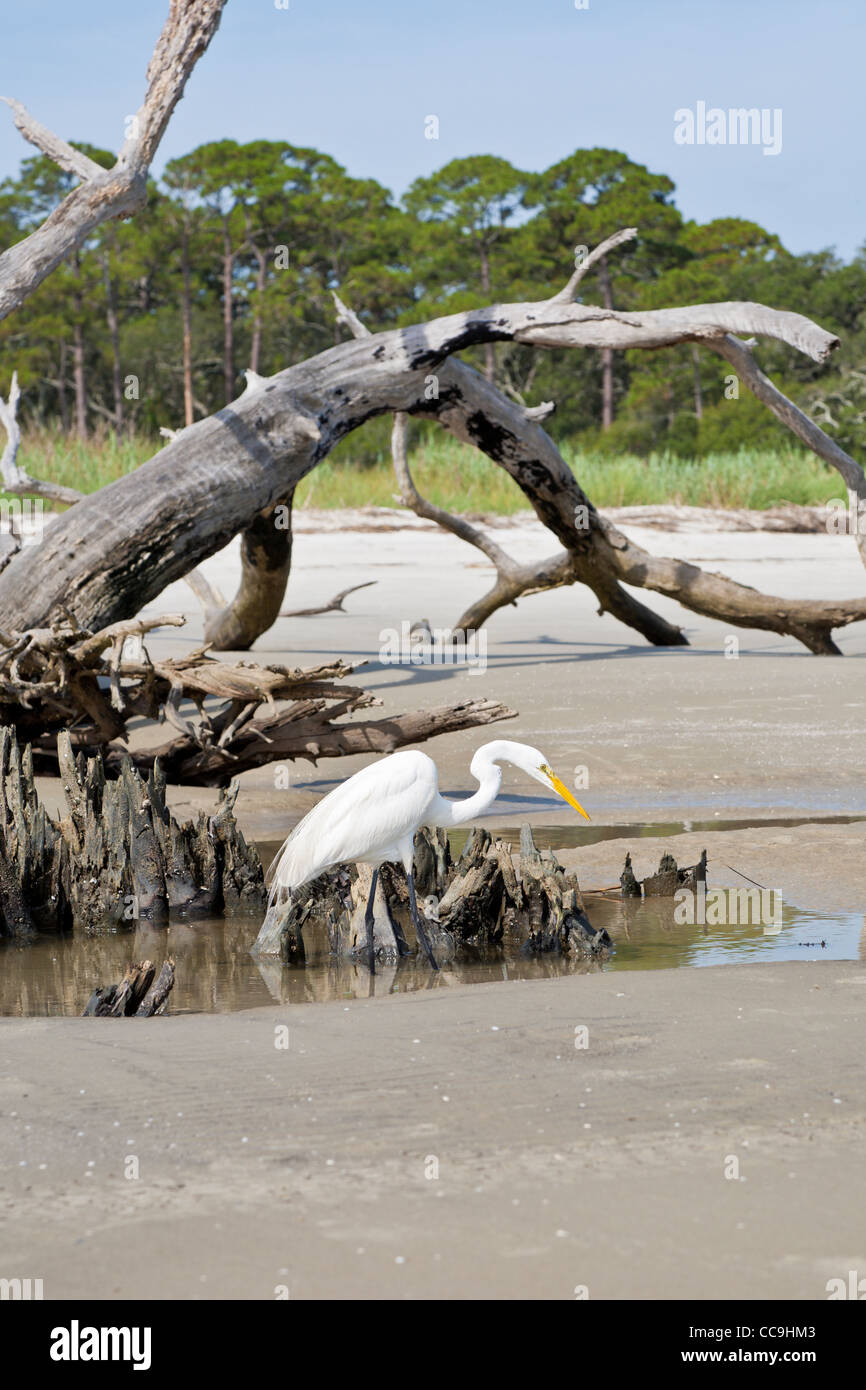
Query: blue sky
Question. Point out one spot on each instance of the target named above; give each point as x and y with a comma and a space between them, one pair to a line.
529, 80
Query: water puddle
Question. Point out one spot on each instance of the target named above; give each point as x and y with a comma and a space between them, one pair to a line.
56, 975
578, 836
217, 974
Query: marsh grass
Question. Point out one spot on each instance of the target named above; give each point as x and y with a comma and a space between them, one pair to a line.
463, 480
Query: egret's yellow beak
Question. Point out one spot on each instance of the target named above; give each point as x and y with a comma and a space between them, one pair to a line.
563, 791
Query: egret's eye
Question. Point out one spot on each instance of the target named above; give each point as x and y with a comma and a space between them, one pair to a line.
548, 771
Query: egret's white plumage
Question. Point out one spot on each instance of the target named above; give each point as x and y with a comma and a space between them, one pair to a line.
364, 820
372, 817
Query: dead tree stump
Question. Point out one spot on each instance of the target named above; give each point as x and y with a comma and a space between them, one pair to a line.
666, 881
117, 855
469, 905
138, 993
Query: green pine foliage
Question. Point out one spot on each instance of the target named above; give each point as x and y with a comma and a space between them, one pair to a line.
233, 261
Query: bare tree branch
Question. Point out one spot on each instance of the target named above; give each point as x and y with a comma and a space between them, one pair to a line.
53, 679
57, 150
811, 434
15, 478
334, 606
121, 190
566, 295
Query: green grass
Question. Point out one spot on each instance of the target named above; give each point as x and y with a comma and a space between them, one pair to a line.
460, 479
85, 464
463, 480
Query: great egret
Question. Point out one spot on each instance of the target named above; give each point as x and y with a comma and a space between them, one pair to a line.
372, 818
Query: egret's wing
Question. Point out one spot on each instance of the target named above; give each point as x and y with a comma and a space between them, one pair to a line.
360, 818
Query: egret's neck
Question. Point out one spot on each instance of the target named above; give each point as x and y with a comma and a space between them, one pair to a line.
489, 775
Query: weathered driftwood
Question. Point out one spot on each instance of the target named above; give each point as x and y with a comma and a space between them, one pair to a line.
117, 855
141, 993
597, 553
334, 605
64, 676
15, 478
118, 549
469, 904
666, 881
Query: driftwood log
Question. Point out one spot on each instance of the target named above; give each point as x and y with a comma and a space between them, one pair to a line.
91, 683
140, 994
117, 549
478, 901
118, 855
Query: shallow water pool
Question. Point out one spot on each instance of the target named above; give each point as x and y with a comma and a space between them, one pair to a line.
217, 974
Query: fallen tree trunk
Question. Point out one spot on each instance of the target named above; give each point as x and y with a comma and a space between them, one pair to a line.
305, 730
598, 554
119, 548
116, 549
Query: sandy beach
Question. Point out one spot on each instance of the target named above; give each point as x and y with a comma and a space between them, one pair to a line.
455, 1142
314, 1168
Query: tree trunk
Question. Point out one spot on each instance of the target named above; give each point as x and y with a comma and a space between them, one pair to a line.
228, 321
186, 316
61, 386
606, 353
79, 377
114, 337
261, 279
699, 396
489, 348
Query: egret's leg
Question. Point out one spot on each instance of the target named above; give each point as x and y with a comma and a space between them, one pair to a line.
368, 923
416, 920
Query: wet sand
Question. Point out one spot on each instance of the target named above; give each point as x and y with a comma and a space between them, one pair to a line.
558, 1168
664, 734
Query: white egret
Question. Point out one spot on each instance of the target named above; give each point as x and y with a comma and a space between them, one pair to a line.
372, 818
